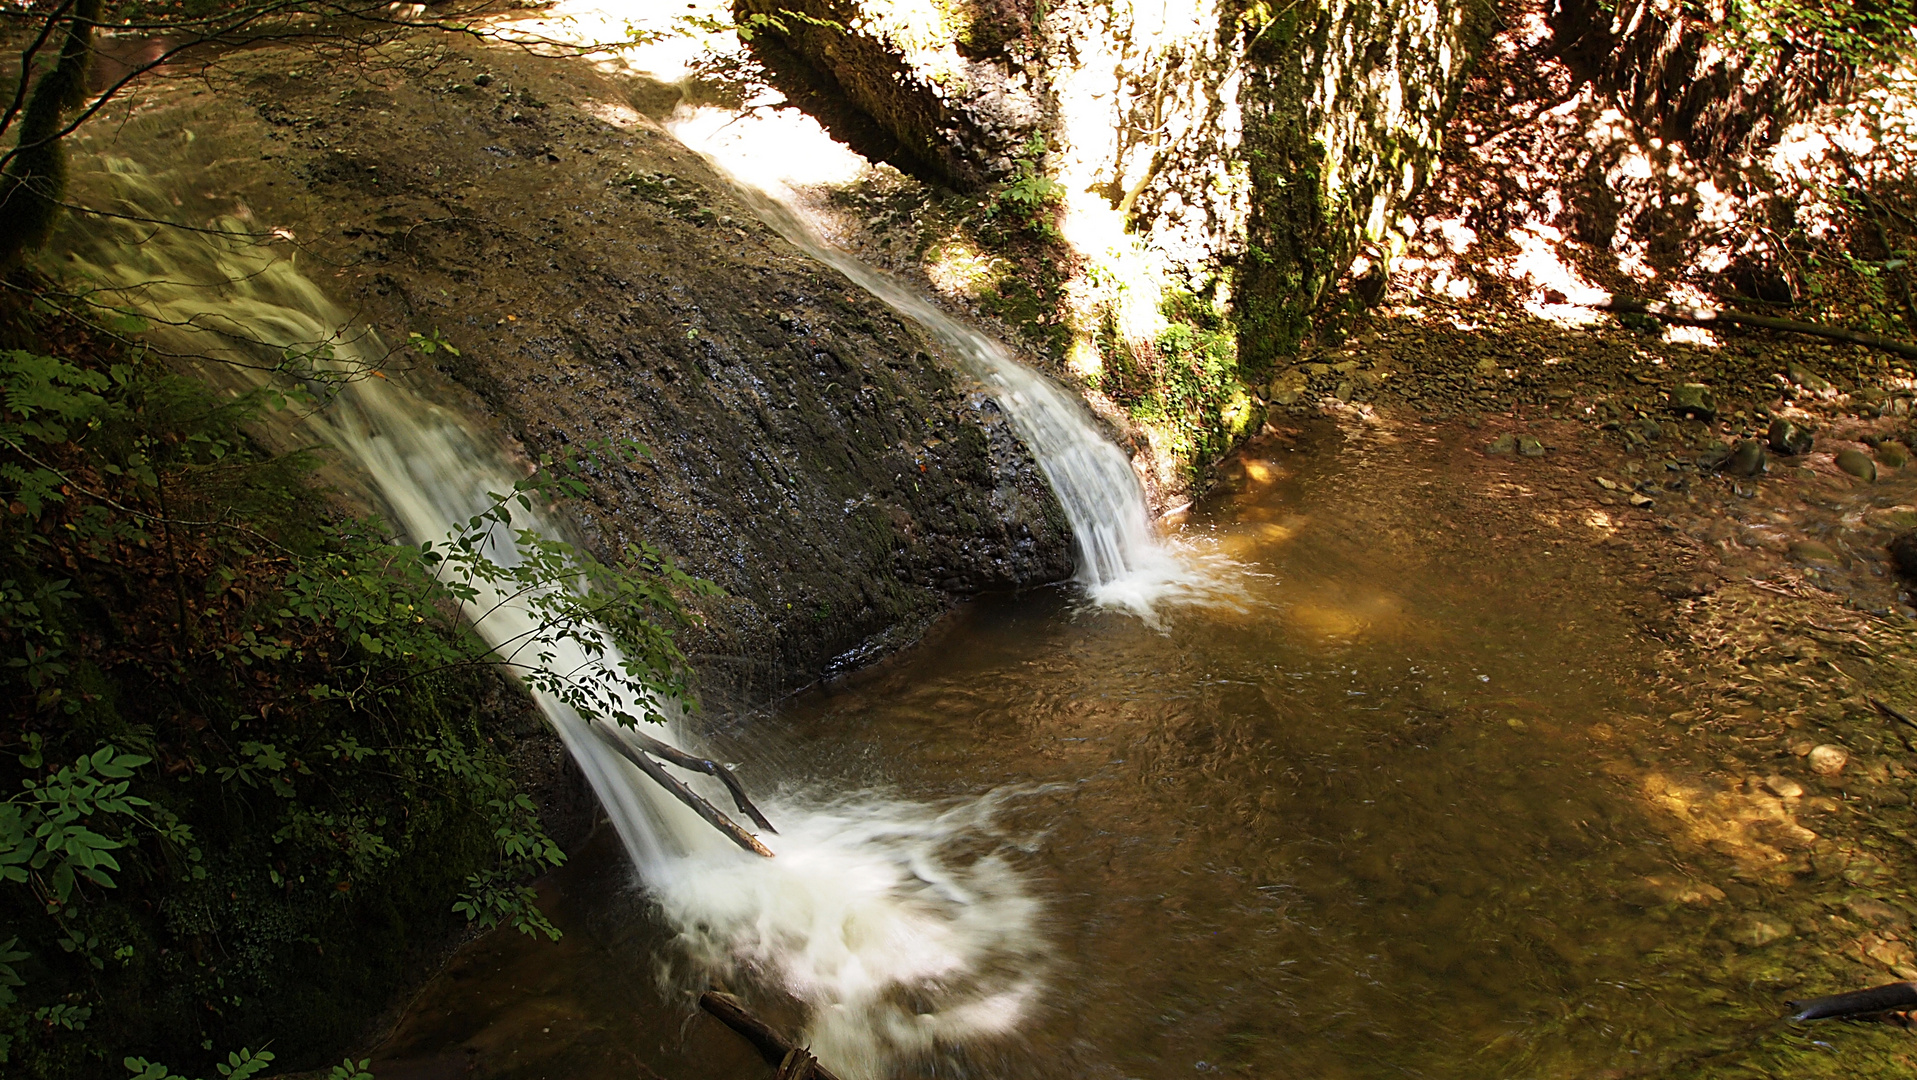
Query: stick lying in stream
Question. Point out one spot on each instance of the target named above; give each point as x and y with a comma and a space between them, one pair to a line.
792, 1060
686, 795
710, 768
1894, 997
1690, 316
1894, 714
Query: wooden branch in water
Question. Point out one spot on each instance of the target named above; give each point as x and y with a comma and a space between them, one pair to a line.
1690, 316
711, 768
1894, 714
1894, 997
798, 1065
683, 793
792, 1060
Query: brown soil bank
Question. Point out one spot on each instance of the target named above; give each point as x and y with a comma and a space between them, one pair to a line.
809, 453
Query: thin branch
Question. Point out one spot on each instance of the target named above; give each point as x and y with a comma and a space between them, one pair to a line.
1690, 316
683, 793
711, 768
26, 63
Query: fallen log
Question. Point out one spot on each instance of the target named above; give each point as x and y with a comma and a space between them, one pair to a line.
684, 794
1699, 316
776, 1049
1894, 997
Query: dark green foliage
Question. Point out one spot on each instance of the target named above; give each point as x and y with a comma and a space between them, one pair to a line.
1029, 201
255, 767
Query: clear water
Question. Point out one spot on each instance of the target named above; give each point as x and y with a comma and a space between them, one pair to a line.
1389, 820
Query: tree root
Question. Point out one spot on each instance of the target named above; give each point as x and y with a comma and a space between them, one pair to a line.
1690, 316
684, 794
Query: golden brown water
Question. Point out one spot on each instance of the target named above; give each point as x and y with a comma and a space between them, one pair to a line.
1388, 820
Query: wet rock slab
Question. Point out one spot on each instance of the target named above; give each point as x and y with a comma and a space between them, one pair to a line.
809, 452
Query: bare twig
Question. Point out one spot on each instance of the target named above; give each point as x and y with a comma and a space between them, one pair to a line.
1894, 714
684, 794
710, 768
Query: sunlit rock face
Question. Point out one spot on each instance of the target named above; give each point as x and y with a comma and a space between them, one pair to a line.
810, 452
1193, 137
1345, 103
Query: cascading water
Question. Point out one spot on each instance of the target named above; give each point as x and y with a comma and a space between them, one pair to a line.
1123, 562
901, 948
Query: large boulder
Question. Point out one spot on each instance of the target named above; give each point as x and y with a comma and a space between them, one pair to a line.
811, 453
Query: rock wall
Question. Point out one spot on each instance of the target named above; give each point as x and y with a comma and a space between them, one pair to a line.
1201, 142
810, 453
1345, 104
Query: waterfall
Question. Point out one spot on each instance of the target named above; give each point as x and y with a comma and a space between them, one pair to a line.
1123, 562
877, 914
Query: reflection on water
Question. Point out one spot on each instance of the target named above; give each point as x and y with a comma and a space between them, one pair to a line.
1384, 820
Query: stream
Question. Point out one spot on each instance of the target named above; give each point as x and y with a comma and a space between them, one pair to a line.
1383, 821
1334, 780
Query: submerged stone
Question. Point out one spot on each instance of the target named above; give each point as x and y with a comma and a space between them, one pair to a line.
1892, 455
1788, 438
1757, 930
1784, 787
1858, 464
1530, 447
1503, 444
1747, 458
1814, 553
1828, 759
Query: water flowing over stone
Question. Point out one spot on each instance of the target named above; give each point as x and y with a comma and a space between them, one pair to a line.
899, 946
1122, 560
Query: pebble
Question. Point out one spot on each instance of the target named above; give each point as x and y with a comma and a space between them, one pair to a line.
1787, 438
1529, 447
1892, 455
1856, 463
1814, 553
1503, 444
1642, 502
1694, 399
1808, 379
1783, 787
1756, 930
1713, 456
1828, 759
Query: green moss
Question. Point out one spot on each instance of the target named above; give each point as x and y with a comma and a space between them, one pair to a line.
1187, 385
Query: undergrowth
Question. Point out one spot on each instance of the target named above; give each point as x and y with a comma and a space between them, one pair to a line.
259, 766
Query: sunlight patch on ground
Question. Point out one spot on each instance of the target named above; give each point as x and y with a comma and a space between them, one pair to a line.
782, 151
